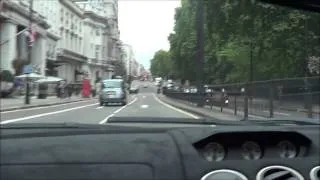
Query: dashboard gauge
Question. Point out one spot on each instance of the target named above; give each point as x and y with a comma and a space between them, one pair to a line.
251, 150
214, 152
287, 149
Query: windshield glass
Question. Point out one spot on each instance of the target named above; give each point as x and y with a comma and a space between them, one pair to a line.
112, 84
217, 60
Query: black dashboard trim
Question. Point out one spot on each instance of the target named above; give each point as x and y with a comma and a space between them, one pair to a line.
175, 141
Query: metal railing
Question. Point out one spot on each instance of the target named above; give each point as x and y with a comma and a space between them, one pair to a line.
290, 97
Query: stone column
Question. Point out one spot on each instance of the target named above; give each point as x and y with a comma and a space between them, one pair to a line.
39, 54
8, 53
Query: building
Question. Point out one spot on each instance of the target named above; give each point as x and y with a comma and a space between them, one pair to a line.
102, 33
129, 58
73, 38
49, 9
14, 20
70, 51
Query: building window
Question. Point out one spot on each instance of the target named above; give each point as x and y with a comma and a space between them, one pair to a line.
91, 48
97, 52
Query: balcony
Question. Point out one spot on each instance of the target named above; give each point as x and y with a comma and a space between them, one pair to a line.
67, 55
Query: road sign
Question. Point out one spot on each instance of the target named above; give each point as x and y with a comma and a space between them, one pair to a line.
27, 69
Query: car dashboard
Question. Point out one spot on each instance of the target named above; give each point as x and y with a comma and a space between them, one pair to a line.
180, 153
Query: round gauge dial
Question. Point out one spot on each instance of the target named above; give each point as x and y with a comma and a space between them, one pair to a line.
287, 149
251, 150
214, 152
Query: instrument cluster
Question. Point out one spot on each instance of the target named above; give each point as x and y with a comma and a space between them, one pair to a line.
216, 149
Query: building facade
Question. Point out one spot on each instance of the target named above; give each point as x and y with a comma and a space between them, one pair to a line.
73, 38
14, 20
129, 58
102, 33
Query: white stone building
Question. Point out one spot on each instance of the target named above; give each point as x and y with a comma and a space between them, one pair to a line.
14, 19
129, 58
49, 10
74, 37
101, 36
70, 52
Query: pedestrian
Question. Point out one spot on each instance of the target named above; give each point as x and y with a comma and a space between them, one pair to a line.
93, 91
70, 90
98, 87
62, 89
58, 91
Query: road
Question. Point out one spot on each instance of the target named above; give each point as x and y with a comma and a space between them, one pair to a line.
143, 104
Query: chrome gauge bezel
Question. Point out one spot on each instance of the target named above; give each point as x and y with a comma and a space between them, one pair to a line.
251, 147
283, 149
210, 149
238, 174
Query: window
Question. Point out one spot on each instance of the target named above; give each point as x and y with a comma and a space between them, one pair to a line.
97, 51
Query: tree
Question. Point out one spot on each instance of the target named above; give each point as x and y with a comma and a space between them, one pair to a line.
161, 64
280, 40
119, 69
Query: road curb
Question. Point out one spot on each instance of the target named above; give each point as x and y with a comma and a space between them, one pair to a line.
42, 105
298, 110
194, 110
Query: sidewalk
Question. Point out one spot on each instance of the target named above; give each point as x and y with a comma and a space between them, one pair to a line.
8, 104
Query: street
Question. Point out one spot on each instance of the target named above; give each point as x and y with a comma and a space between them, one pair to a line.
143, 104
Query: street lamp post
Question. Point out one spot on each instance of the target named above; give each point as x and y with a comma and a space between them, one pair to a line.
27, 96
200, 50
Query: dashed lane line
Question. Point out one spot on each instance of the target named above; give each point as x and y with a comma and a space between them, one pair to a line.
105, 120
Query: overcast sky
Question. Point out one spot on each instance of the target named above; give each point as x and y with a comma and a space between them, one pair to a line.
146, 25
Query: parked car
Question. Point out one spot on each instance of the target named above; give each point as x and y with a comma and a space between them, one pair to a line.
113, 91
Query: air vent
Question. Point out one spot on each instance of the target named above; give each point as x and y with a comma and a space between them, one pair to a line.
315, 173
278, 173
224, 174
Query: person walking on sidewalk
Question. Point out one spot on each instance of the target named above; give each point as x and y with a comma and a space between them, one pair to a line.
98, 87
58, 90
69, 89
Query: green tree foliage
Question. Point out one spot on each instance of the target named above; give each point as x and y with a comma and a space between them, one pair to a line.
280, 39
161, 64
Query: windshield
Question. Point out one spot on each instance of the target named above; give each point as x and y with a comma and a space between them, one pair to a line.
200, 60
112, 84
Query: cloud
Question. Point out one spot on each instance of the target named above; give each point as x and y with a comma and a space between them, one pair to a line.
145, 25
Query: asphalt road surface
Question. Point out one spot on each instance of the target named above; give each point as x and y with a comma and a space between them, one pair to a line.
143, 104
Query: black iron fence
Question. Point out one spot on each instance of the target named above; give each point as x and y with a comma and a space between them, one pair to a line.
291, 97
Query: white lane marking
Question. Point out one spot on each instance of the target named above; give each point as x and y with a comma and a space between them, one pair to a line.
279, 113
176, 109
100, 107
144, 106
43, 107
106, 119
117, 111
45, 114
143, 97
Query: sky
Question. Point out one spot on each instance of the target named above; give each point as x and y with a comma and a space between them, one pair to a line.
146, 25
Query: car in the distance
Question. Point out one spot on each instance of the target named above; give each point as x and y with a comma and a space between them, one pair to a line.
134, 90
